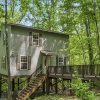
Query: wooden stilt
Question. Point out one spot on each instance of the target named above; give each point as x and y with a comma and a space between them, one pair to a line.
13, 84
47, 85
70, 88
62, 85
18, 83
44, 87
51, 85
56, 86
0, 85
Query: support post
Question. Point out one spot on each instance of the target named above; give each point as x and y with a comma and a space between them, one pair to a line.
18, 83
13, 84
62, 85
44, 87
51, 84
0, 85
56, 85
47, 85
70, 88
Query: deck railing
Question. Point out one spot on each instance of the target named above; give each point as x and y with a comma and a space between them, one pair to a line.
82, 70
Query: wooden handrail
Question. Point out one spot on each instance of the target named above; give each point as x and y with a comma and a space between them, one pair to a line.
83, 70
32, 77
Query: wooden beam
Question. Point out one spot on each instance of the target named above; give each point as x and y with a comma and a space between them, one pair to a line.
71, 93
18, 83
62, 85
0, 86
13, 84
47, 85
56, 85
44, 87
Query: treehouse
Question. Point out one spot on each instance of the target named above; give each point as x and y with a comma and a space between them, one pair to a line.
31, 48
31, 51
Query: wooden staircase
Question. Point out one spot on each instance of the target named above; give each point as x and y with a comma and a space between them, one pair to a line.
31, 87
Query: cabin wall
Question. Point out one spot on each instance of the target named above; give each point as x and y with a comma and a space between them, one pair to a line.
58, 44
19, 45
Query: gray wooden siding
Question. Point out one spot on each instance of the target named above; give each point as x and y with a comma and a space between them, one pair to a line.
57, 44
19, 45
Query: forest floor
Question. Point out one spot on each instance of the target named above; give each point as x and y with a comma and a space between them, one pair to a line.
57, 97
64, 97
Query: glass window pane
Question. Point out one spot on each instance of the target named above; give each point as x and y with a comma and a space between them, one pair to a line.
24, 62
61, 61
23, 65
24, 59
35, 39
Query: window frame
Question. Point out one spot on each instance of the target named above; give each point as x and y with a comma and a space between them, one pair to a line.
62, 63
34, 40
23, 62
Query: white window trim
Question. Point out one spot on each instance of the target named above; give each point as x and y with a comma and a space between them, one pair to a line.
35, 39
60, 62
21, 62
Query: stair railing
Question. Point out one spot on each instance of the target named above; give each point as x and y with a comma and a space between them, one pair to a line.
32, 77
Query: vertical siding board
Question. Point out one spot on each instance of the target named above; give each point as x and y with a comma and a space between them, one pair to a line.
40, 39
18, 62
30, 38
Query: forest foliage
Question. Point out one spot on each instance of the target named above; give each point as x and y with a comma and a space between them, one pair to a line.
77, 18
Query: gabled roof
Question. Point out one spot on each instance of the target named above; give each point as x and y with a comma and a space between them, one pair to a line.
38, 30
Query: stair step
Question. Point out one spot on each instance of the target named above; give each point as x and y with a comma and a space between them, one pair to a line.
23, 95
27, 90
24, 92
20, 98
32, 86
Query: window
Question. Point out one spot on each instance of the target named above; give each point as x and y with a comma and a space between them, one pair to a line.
24, 62
3, 62
35, 39
61, 61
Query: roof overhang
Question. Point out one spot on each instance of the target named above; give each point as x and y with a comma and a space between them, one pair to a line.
48, 53
38, 30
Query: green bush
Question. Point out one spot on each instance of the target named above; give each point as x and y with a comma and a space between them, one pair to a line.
82, 89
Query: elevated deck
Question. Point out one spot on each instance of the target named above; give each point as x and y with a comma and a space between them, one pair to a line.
86, 72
